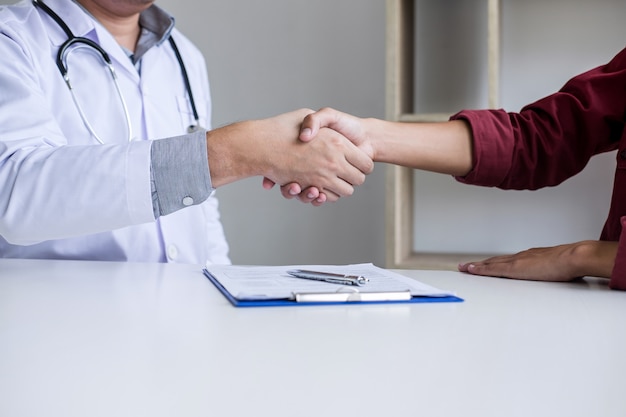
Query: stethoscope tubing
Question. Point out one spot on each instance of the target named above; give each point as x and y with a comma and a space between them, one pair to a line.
61, 62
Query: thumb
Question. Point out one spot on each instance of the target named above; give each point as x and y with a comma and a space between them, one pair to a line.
313, 122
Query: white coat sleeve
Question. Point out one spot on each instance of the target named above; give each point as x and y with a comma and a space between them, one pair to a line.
48, 189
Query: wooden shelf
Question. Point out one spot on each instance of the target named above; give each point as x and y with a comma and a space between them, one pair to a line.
400, 83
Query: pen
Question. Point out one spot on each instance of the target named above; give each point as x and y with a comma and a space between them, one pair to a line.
328, 277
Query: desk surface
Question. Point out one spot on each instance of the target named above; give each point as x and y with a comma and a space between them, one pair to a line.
122, 339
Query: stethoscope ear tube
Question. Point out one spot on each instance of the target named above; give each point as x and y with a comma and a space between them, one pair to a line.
64, 51
55, 17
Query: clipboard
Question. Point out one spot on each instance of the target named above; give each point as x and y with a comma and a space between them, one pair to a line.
331, 298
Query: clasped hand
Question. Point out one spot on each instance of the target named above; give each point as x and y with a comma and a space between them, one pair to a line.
319, 126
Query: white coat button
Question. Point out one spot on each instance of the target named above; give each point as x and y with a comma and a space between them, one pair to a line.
187, 201
172, 252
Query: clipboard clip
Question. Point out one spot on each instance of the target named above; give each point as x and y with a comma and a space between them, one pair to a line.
342, 296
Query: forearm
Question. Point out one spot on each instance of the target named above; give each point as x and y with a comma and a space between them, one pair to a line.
230, 155
444, 147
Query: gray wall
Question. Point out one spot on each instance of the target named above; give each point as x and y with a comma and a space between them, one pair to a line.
543, 44
266, 58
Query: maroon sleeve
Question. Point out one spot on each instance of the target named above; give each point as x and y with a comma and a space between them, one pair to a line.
552, 139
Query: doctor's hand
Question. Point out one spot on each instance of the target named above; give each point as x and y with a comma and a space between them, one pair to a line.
349, 126
294, 190
270, 148
558, 263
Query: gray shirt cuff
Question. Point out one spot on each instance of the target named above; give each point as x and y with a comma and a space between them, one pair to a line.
179, 173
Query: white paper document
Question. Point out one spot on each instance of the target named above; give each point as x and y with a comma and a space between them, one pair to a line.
273, 282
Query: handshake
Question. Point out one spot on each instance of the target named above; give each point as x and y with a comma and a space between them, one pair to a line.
313, 156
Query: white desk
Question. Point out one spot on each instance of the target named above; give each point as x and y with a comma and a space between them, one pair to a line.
92, 339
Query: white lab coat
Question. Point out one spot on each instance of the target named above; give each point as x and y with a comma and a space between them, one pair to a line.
63, 195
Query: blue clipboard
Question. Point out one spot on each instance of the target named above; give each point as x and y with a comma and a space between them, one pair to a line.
293, 302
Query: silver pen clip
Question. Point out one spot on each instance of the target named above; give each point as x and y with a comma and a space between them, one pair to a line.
329, 277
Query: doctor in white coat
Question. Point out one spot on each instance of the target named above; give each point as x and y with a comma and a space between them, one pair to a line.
81, 177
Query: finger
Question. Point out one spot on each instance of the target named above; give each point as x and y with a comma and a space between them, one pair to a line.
498, 268
268, 184
359, 159
320, 200
350, 177
290, 190
476, 266
341, 187
331, 196
481, 269
312, 193
313, 122
309, 195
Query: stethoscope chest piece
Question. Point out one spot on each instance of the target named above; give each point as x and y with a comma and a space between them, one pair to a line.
193, 128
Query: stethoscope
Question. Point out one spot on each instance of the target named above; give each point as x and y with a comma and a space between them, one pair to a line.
61, 62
